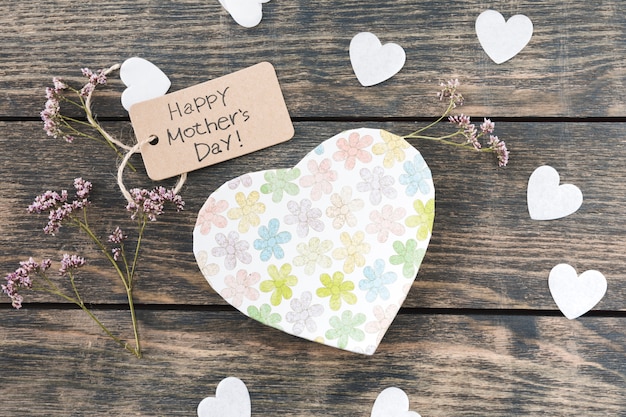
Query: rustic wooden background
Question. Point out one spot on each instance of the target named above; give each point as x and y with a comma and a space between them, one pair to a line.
478, 335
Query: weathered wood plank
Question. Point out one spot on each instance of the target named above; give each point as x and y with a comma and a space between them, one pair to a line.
485, 252
572, 67
448, 365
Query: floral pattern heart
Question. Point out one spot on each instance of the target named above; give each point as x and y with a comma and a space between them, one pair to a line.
326, 250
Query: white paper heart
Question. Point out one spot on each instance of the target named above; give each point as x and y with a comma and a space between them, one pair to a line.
373, 62
503, 40
547, 200
232, 399
326, 250
392, 402
247, 13
576, 294
143, 80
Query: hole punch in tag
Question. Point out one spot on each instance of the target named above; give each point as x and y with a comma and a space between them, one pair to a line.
211, 122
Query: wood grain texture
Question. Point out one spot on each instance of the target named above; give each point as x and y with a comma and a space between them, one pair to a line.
485, 251
479, 334
572, 67
449, 365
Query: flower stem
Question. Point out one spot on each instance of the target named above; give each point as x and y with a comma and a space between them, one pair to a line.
126, 281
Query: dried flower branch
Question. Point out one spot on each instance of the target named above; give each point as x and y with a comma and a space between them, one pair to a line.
59, 125
470, 136
143, 205
33, 276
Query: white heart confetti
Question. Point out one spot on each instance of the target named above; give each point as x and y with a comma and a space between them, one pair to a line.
373, 62
576, 294
547, 200
144, 81
501, 39
231, 400
392, 402
247, 13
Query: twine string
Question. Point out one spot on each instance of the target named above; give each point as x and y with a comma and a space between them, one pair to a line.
120, 173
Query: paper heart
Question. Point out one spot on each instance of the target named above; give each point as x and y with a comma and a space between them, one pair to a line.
547, 200
143, 80
503, 40
232, 399
326, 250
392, 402
247, 13
373, 62
576, 294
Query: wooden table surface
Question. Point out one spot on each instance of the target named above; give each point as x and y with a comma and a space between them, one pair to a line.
479, 333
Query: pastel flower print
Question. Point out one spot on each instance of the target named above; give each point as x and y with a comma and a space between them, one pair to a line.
353, 251
248, 211
304, 216
280, 284
241, 286
303, 314
232, 249
382, 322
244, 180
343, 208
386, 221
207, 269
337, 289
264, 315
353, 149
279, 182
423, 220
210, 215
346, 328
270, 241
409, 256
417, 176
392, 148
320, 178
376, 280
377, 184
313, 254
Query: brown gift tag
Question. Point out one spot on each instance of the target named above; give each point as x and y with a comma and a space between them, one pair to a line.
211, 122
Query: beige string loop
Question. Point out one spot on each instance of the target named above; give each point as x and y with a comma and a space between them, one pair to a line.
120, 173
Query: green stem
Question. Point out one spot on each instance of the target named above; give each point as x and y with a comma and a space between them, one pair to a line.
126, 281
445, 114
82, 306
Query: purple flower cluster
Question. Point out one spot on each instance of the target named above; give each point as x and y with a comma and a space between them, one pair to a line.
58, 206
70, 262
470, 132
21, 278
95, 78
449, 90
51, 114
151, 203
117, 237
472, 135
499, 148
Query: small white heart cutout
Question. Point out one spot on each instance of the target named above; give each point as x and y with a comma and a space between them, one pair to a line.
576, 294
547, 200
373, 62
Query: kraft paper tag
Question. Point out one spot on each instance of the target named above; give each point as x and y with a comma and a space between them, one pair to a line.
211, 122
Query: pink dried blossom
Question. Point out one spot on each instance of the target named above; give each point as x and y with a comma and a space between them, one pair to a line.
21, 278
70, 262
449, 90
117, 236
95, 78
487, 126
58, 206
151, 203
499, 148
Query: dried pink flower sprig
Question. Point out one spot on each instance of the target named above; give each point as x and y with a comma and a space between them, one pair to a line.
470, 136
59, 125
147, 205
